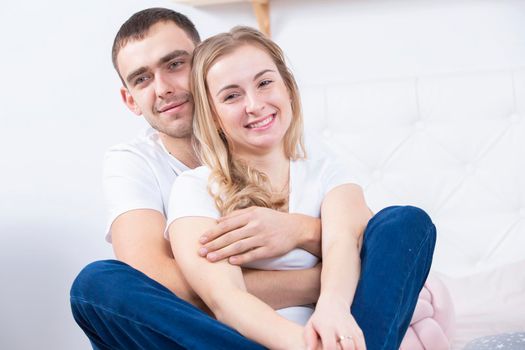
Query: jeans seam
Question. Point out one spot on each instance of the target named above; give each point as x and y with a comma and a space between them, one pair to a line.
85, 301
427, 237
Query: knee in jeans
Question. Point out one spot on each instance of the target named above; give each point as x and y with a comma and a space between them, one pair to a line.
411, 220
92, 278
418, 223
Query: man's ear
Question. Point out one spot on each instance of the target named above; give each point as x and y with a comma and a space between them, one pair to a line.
129, 101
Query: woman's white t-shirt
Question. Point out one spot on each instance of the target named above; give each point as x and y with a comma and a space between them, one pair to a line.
310, 181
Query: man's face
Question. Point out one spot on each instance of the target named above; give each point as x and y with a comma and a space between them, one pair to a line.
156, 72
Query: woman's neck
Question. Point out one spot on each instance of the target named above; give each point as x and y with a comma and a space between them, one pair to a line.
275, 165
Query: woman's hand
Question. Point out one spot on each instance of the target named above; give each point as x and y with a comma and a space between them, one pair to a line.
333, 324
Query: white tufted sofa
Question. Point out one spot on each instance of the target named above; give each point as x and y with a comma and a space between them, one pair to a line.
454, 145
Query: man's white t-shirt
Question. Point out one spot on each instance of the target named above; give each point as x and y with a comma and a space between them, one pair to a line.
139, 175
310, 181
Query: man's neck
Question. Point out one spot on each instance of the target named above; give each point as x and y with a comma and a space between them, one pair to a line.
181, 149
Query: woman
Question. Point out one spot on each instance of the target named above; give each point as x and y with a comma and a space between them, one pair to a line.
248, 130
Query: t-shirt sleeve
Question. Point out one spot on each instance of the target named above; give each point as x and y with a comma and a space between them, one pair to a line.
336, 172
190, 197
129, 183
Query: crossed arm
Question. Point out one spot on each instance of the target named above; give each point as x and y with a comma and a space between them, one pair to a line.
220, 284
138, 240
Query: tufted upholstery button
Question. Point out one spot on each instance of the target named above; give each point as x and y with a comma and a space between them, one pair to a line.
514, 118
327, 133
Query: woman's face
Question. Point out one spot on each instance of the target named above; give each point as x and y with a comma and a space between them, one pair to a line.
251, 100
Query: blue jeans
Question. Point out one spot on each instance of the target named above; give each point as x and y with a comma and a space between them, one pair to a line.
119, 307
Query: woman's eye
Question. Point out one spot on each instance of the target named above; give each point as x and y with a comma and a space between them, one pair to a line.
230, 97
265, 83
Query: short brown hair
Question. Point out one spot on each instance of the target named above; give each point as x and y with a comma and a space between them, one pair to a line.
138, 25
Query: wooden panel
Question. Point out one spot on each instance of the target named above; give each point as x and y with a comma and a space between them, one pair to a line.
261, 8
208, 2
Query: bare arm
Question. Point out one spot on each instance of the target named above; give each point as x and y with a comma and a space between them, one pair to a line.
222, 288
342, 237
258, 233
138, 240
284, 288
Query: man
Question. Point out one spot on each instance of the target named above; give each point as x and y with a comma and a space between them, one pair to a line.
152, 55
142, 301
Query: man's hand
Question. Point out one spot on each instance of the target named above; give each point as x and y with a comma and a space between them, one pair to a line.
258, 233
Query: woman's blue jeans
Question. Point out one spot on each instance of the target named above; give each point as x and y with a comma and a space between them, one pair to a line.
119, 307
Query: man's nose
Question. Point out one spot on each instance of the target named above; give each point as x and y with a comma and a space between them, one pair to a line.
163, 87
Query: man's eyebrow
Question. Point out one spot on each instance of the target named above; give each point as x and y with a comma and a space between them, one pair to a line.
135, 73
162, 60
255, 77
172, 55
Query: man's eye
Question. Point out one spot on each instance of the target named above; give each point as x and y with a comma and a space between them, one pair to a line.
140, 80
175, 64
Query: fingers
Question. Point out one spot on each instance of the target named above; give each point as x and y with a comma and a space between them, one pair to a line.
346, 343
310, 337
359, 340
352, 340
237, 248
223, 226
228, 239
252, 255
328, 339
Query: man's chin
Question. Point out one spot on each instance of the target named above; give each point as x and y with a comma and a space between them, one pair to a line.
177, 132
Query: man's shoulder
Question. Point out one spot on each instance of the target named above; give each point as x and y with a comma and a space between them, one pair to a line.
144, 145
142, 157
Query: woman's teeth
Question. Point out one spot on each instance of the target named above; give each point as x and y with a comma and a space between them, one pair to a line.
261, 123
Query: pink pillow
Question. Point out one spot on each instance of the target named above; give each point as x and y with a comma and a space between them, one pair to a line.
432, 324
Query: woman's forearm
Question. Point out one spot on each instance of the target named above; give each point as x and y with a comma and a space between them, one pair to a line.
221, 286
342, 237
341, 270
249, 316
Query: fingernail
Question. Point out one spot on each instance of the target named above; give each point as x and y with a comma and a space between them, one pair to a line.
203, 251
233, 260
211, 256
203, 239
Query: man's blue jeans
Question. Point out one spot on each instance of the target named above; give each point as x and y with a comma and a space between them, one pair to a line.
118, 307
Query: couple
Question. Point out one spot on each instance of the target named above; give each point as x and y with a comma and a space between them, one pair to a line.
255, 203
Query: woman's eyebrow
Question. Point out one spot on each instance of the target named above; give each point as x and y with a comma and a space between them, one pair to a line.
256, 76
262, 72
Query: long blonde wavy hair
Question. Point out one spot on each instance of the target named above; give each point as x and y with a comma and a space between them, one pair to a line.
233, 183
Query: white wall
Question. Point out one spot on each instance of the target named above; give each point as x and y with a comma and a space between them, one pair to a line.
60, 110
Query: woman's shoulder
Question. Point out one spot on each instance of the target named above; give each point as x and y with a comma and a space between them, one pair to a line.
201, 172
317, 164
193, 177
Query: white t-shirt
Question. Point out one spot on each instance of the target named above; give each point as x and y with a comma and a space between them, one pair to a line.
310, 181
139, 175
